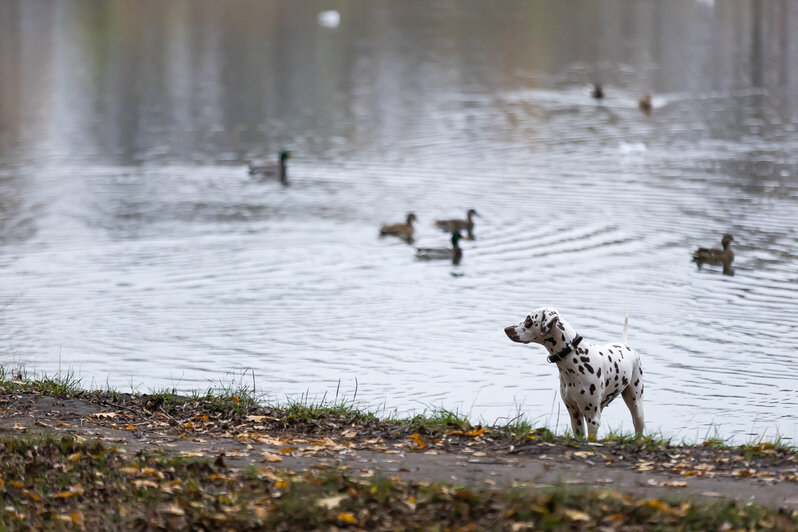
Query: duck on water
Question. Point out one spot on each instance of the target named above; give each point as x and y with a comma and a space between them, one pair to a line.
279, 170
454, 253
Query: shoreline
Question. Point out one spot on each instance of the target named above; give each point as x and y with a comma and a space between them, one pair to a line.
319, 445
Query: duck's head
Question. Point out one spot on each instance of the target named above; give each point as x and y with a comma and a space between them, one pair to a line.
284, 156
456, 236
727, 239
410, 218
472, 212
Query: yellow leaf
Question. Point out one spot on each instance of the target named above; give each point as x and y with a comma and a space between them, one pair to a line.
287, 450
656, 504
477, 431
73, 491
673, 484
269, 457
151, 472
17, 426
74, 457
236, 399
347, 517
583, 454
129, 470
420, 443
281, 484
77, 518
576, 515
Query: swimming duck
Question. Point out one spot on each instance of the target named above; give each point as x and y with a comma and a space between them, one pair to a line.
403, 231
273, 170
455, 253
716, 256
456, 224
597, 92
644, 104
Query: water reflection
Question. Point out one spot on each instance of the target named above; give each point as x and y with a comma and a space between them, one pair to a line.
136, 247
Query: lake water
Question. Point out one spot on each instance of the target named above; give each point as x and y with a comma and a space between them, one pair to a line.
136, 252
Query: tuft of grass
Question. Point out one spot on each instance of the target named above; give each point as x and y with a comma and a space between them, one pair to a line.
438, 421
633, 442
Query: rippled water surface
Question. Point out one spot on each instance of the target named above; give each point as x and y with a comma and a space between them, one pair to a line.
136, 251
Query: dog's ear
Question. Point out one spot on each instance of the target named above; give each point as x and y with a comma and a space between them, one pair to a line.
547, 321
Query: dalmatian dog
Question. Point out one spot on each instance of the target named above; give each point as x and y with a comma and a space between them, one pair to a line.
591, 375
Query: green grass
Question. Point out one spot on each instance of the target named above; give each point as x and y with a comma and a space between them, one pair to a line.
236, 399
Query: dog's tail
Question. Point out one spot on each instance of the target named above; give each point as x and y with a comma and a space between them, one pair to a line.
626, 328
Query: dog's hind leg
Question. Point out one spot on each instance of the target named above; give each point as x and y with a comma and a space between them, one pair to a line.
633, 397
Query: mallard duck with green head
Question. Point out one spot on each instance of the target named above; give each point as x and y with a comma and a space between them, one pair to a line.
404, 231
454, 253
279, 170
458, 224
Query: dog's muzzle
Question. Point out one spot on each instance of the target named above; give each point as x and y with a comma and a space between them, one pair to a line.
511, 334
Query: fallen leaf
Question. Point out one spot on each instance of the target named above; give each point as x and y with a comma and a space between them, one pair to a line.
477, 431
172, 509
287, 450
103, 415
583, 454
17, 426
349, 433
269, 457
73, 491
577, 515
420, 443
347, 517
331, 502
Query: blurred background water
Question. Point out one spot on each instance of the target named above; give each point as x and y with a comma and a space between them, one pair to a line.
136, 252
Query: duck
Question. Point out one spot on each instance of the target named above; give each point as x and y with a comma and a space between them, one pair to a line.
456, 224
597, 92
278, 170
716, 256
644, 104
404, 231
454, 253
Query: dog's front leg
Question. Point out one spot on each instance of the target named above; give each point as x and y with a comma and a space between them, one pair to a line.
577, 423
593, 421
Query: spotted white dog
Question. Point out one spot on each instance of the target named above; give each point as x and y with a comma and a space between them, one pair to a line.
591, 375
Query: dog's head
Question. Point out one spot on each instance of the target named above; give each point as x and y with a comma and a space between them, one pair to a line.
535, 327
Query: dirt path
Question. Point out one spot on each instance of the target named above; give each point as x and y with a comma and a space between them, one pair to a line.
470, 458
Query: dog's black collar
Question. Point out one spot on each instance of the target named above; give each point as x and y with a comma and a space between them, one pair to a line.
565, 351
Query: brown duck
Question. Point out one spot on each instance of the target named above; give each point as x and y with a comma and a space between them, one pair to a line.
597, 92
457, 224
279, 170
644, 104
403, 231
716, 256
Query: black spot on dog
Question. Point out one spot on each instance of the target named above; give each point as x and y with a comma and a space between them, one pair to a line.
581, 370
640, 369
616, 378
575, 360
550, 340
576, 415
598, 373
589, 368
584, 359
571, 371
625, 381
592, 388
582, 392
609, 358
637, 382
607, 382
616, 368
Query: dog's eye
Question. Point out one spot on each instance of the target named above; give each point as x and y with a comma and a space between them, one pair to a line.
528, 322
